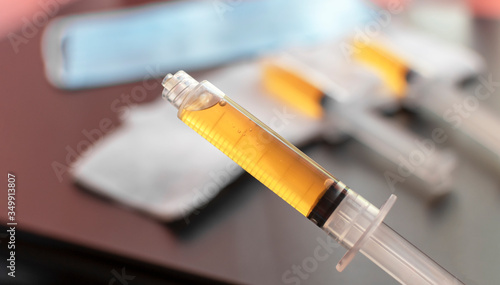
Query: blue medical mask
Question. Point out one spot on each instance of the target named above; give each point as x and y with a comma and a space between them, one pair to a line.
100, 49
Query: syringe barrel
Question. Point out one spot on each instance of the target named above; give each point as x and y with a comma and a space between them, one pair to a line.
259, 150
386, 248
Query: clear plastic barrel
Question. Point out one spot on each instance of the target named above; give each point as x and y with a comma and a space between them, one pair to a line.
386, 248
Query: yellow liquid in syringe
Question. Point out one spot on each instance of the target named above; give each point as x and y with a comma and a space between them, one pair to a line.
278, 165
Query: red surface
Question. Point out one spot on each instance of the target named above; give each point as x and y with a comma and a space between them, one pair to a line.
16, 14
480, 8
485, 8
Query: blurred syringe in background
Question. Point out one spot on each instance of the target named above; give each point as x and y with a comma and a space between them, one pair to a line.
429, 76
351, 99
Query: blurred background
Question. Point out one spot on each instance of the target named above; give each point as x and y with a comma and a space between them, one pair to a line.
112, 188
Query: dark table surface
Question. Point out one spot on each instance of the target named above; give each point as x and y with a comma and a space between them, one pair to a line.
247, 235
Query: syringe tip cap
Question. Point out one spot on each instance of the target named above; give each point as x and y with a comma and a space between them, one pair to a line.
175, 85
166, 79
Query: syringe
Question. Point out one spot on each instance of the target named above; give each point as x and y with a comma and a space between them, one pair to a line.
340, 212
431, 73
